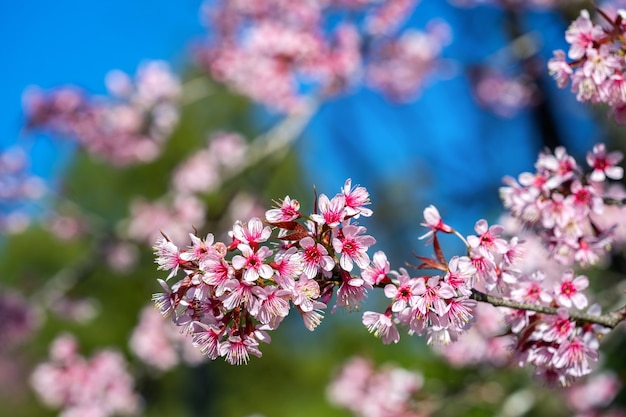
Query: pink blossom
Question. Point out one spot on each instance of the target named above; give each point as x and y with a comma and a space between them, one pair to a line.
274, 304
377, 271
253, 263
315, 257
382, 326
353, 247
581, 34
237, 349
404, 290
604, 165
288, 210
569, 291
434, 222
331, 212
575, 356
252, 232
355, 200
560, 69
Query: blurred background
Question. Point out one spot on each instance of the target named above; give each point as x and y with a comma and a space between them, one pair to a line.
78, 226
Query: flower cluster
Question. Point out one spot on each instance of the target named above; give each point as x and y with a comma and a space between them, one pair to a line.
559, 348
370, 392
99, 386
560, 202
597, 66
233, 293
440, 306
129, 127
278, 53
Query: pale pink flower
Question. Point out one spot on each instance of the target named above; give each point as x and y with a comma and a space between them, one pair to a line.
434, 223
435, 296
560, 69
288, 266
313, 318
377, 271
581, 35
604, 164
351, 292
353, 247
461, 312
331, 212
207, 340
355, 200
488, 241
274, 304
404, 291
237, 349
304, 293
168, 256
557, 328
574, 356
287, 210
216, 272
315, 257
165, 302
382, 326
252, 232
569, 290
253, 262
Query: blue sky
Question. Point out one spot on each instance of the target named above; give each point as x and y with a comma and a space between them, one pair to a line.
52, 43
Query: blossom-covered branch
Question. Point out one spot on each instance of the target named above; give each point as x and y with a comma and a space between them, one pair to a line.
233, 293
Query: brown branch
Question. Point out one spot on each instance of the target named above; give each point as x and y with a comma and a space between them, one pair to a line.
610, 320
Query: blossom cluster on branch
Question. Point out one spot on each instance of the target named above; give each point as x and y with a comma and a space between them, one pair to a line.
596, 64
233, 293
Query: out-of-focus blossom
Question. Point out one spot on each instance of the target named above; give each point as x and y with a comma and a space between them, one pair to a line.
403, 65
128, 127
19, 190
148, 219
202, 172
98, 386
369, 392
278, 53
504, 95
160, 344
19, 319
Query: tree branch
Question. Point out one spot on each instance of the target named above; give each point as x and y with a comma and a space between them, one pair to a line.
610, 320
